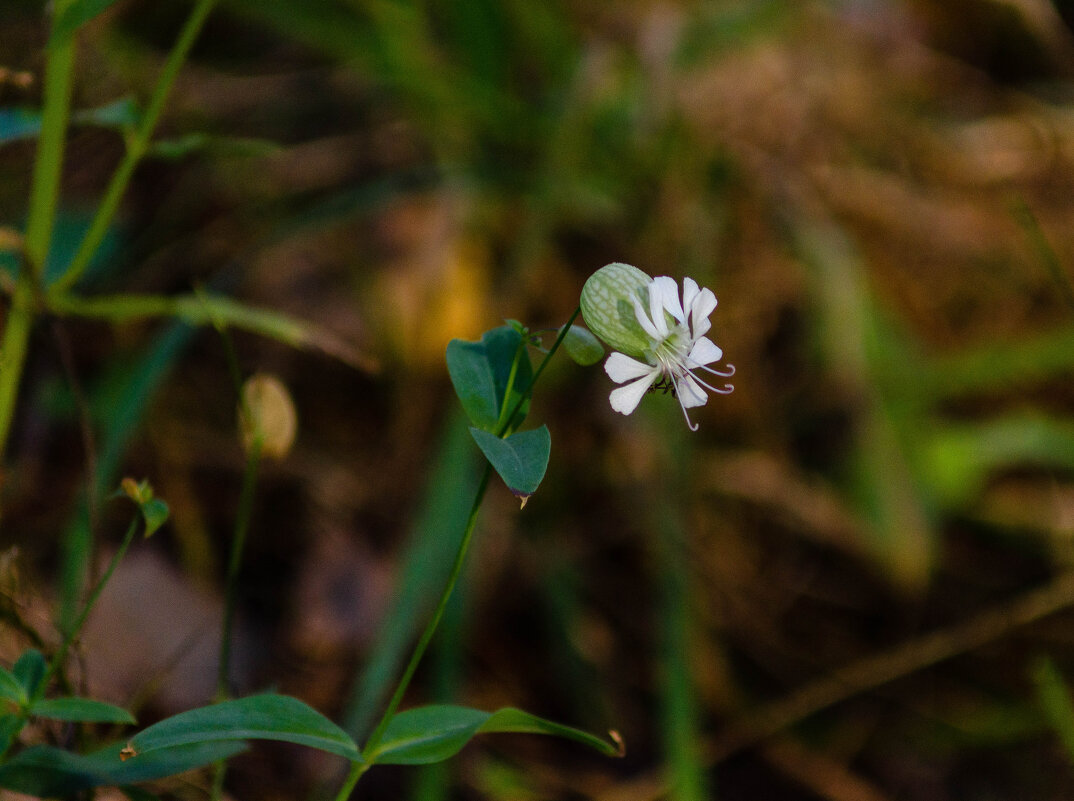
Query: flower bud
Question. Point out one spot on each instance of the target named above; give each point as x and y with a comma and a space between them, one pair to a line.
267, 412
608, 308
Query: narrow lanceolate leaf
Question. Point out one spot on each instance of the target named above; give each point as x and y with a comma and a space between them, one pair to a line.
11, 688
434, 733
47, 772
521, 459
207, 309
84, 710
259, 717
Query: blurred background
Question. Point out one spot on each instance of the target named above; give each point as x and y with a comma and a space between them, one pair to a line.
850, 583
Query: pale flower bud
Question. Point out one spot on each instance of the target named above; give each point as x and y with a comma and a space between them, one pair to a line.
267, 412
608, 307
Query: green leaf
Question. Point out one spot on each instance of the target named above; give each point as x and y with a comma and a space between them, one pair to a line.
121, 115
30, 670
521, 459
183, 146
76, 15
24, 123
435, 733
207, 309
48, 772
80, 709
582, 346
155, 511
19, 123
1054, 698
10, 726
481, 372
11, 688
259, 717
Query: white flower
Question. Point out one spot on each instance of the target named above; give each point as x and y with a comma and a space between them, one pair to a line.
677, 349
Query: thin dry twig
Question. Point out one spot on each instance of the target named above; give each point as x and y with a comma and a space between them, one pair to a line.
874, 671
765, 722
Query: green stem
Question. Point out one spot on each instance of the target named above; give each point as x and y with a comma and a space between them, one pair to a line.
355, 773
368, 753
238, 545
430, 628
137, 146
42, 211
537, 373
20, 319
56, 663
59, 70
502, 422
117, 557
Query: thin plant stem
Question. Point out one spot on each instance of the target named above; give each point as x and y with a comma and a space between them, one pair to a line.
59, 71
137, 145
91, 600
17, 327
56, 663
238, 545
44, 190
357, 769
430, 628
369, 752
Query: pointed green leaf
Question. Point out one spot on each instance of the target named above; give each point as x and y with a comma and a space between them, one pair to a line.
30, 670
435, 733
155, 511
582, 346
521, 459
11, 688
10, 726
482, 371
47, 772
259, 717
84, 710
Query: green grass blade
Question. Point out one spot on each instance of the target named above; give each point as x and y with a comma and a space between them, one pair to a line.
1054, 698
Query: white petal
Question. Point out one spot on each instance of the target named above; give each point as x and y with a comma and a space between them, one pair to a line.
704, 352
625, 399
621, 367
668, 292
689, 292
646, 323
702, 306
658, 294
690, 392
